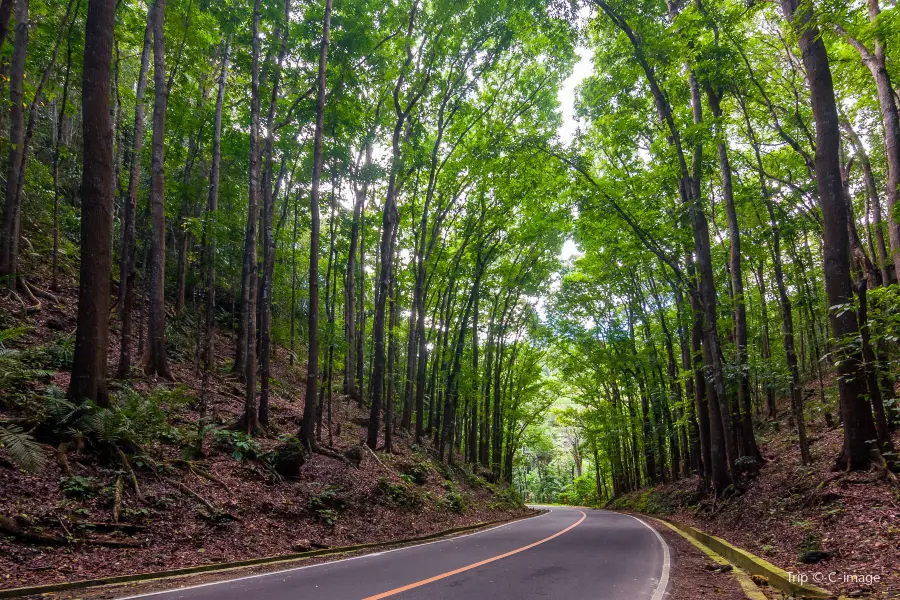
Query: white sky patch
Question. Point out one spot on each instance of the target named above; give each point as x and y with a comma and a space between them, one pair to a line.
569, 250
583, 68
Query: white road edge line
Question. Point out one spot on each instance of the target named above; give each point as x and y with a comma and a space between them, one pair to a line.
332, 562
663, 584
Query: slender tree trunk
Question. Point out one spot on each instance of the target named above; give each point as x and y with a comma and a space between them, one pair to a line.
750, 447
476, 385
156, 323
54, 284
294, 282
354, 387
361, 329
312, 371
210, 231
9, 236
88, 380
392, 358
245, 355
127, 272
885, 444
329, 300
269, 192
884, 260
766, 349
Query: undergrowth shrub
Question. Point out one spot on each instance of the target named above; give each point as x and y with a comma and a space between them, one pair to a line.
398, 494
326, 506
237, 443
415, 472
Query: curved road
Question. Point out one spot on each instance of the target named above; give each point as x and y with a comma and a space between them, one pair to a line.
567, 553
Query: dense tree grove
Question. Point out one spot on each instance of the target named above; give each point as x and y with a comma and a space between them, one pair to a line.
380, 190
735, 144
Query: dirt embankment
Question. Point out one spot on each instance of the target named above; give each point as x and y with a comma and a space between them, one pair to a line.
204, 494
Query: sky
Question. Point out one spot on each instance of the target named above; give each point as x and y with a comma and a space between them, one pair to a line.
582, 69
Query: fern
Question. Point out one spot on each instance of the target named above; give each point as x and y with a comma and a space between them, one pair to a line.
24, 452
105, 425
13, 333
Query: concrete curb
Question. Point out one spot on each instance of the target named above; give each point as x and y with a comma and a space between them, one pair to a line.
751, 590
741, 559
252, 562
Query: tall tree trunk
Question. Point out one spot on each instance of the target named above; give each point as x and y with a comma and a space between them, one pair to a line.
484, 452
766, 347
156, 323
448, 420
269, 192
390, 218
476, 385
354, 386
210, 227
245, 353
312, 371
12, 213
749, 446
329, 300
127, 272
88, 380
885, 444
859, 427
884, 260
391, 364
787, 316
361, 328
57, 142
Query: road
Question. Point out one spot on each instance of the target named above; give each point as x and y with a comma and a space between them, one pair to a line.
567, 553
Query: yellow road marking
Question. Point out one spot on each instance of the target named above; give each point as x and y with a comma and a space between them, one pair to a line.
473, 565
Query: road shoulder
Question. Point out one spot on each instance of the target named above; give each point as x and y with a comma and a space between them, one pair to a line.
694, 575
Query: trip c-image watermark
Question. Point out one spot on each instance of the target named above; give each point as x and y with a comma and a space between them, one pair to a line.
833, 577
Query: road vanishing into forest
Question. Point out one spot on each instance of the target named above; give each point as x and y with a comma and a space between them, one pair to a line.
566, 553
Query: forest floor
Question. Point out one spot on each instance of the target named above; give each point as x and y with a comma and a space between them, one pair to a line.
205, 502
789, 510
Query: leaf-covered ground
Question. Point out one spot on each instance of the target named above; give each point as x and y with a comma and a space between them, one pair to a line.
203, 503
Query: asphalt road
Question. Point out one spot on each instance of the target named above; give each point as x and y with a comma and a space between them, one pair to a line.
567, 554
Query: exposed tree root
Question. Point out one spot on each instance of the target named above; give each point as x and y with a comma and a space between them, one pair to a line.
134, 481
317, 449
33, 292
36, 304
213, 511
117, 503
375, 456
62, 460
11, 527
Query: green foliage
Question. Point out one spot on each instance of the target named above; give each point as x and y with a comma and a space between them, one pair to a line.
812, 542
78, 487
59, 354
582, 492
327, 505
444, 469
134, 418
237, 443
24, 452
415, 472
454, 501
287, 458
398, 494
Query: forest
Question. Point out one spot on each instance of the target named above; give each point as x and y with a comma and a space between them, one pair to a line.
322, 231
